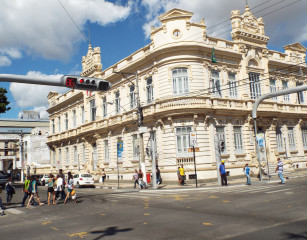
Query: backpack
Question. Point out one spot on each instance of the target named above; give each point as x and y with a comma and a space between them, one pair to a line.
30, 187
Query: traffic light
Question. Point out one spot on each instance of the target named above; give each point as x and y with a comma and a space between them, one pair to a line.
222, 145
85, 83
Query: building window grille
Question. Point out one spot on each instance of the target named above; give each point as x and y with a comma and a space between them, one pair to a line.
104, 107
180, 81
233, 88
285, 86
238, 140
66, 121
53, 128
304, 136
82, 115
183, 140
117, 102
132, 97
59, 124
215, 84
300, 95
136, 147
67, 156
273, 88
106, 151
220, 132
255, 86
149, 90
75, 155
279, 140
93, 110
74, 118
291, 138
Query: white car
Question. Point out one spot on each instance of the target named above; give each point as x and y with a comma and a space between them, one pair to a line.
44, 179
83, 179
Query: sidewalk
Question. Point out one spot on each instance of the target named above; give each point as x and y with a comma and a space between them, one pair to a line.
204, 183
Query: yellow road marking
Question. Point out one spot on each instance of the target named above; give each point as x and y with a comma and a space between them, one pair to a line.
289, 206
145, 222
146, 214
176, 197
226, 201
188, 207
208, 224
102, 214
45, 223
80, 235
212, 196
106, 208
54, 228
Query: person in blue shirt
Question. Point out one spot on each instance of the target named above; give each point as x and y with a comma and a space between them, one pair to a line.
247, 172
223, 173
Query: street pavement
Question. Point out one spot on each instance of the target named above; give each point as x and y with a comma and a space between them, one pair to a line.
264, 210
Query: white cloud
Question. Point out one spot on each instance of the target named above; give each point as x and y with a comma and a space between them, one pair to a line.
43, 28
29, 95
5, 61
284, 26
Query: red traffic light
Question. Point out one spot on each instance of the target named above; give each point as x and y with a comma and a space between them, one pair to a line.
81, 80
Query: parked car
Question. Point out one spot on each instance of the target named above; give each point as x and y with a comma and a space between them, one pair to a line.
3, 180
83, 179
44, 179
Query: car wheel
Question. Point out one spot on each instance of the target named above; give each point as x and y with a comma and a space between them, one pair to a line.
78, 185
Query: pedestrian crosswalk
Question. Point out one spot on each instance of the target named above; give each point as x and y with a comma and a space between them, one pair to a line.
237, 189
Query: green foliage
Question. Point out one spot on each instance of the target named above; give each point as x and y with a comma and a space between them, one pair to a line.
3, 101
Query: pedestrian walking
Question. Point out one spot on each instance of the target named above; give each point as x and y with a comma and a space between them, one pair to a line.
51, 192
158, 175
1, 205
34, 192
103, 176
247, 172
70, 189
222, 169
10, 190
181, 175
26, 192
178, 175
280, 169
135, 178
62, 183
140, 179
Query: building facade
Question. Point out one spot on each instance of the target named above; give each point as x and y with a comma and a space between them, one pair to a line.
16, 144
182, 90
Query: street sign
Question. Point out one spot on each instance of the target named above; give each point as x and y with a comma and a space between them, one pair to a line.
120, 148
193, 139
191, 149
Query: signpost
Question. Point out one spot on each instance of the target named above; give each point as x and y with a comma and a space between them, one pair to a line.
193, 142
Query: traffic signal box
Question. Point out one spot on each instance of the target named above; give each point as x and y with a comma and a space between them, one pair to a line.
85, 83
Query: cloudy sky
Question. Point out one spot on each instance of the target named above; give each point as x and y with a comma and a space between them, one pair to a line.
48, 38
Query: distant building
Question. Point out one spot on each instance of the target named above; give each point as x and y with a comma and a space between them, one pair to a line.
15, 133
29, 115
182, 90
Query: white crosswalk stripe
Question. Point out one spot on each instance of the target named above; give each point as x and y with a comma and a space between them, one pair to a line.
230, 189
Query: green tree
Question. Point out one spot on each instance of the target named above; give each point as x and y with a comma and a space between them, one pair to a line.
3, 101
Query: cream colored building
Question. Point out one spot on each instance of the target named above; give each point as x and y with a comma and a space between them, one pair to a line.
181, 90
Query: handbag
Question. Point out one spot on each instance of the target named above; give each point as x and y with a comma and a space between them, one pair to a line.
73, 192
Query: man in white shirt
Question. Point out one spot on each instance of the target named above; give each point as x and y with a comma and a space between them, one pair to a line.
280, 169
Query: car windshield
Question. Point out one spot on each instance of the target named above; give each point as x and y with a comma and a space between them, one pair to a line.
86, 175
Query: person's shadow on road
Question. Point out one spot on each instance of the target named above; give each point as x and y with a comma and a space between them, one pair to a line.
110, 231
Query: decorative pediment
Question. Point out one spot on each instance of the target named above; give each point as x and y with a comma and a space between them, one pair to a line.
247, 28
297, 47
91, 62
175, 13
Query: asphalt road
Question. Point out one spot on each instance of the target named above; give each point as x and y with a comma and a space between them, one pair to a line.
261, 211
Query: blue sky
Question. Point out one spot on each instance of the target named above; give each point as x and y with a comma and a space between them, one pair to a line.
40, 38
